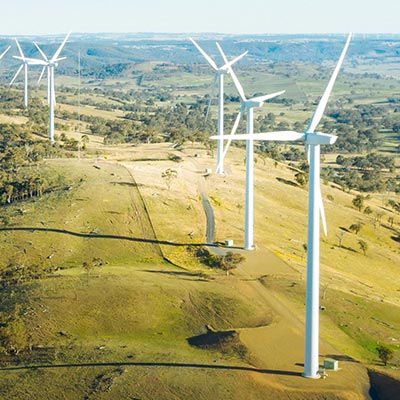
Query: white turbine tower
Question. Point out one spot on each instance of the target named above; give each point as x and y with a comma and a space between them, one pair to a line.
24, 65
219, 74
313, 141
50, 64
247, 105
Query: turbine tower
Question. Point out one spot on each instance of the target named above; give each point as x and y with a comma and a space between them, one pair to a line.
313, 142
50, 64
24, 65
248, 106
219, 74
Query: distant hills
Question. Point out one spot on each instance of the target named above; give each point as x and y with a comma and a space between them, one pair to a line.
102, 49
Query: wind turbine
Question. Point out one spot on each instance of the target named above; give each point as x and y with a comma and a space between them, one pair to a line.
219, 74
248, 106
313, 142
24, 65
50, 64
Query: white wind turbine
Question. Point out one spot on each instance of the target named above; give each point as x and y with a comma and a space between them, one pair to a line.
247, 105
50, 64
24, 65
219, 74
313, 140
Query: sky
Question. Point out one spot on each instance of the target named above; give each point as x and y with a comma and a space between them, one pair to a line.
42, 17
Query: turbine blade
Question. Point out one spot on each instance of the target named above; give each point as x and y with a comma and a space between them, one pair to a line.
41, 74
16, 74
230, 138
57, 53
222, 53
239, 87
19, 49
322, 210
267, 96
59, 59
236, 59
41, 52
31, 61
4, 52
205, 55
211, 96
282, 136
316, 118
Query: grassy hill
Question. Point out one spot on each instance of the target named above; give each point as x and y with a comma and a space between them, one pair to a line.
103, 295
123, 292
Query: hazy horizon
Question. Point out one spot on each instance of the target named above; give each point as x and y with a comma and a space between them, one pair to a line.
45, 17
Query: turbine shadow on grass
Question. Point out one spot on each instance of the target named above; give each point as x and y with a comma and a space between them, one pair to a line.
287, 182
101, 236
128, 184
154, 364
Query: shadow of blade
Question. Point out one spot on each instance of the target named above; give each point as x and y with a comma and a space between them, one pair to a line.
154, 364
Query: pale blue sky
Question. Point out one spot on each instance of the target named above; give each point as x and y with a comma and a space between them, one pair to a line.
25, 17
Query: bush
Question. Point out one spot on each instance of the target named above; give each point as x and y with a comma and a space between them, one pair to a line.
226, 263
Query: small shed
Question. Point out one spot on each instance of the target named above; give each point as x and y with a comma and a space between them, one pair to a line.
228, 242
331, 364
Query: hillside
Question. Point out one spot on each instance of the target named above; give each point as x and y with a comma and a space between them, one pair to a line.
124, 290
115, 280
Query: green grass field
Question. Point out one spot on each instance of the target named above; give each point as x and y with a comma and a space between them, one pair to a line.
119, 327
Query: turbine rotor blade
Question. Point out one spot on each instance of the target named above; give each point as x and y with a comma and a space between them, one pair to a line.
230, 63
41, 52
316, 118
57, 53
222, 53
16, 74
211, 96
205, 55
230, 138
4, 52
19, 49
31, 61
239, 87
282, 136
41, 74
267, 96
322, 210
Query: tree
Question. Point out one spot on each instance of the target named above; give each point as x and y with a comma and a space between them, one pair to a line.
363, 246
368, 210
358, 202
340, 237
169, 175
356, 227
385, 353
301, 178
230, 261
